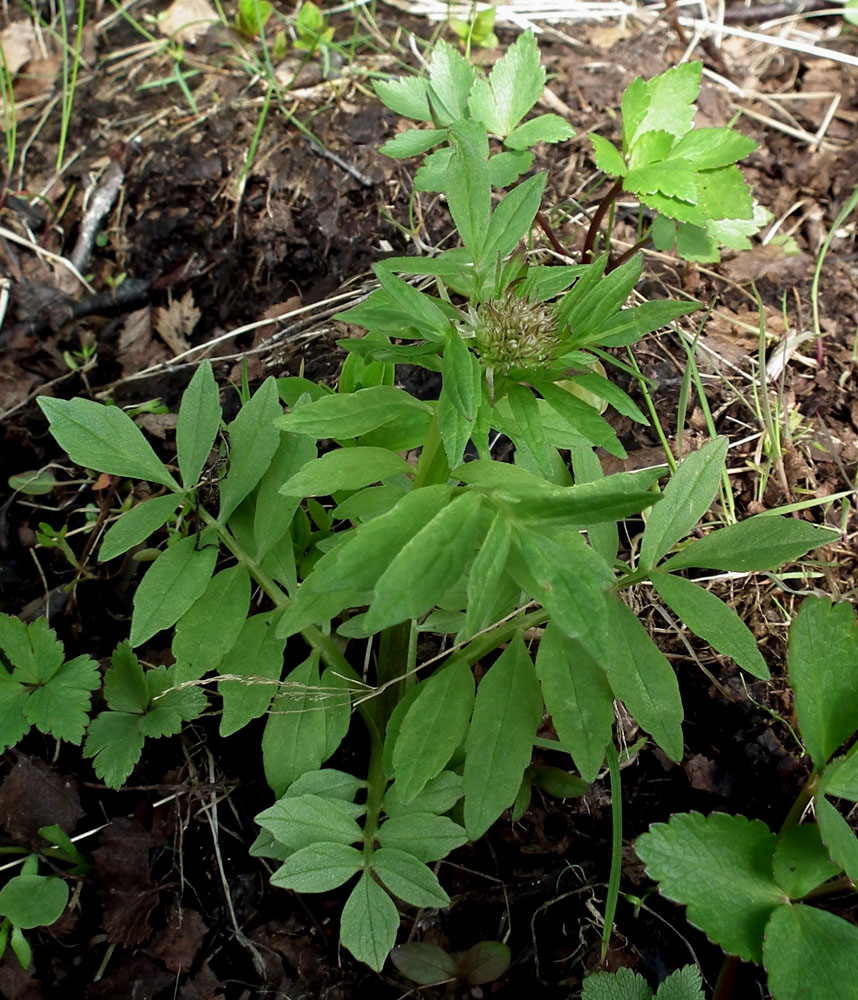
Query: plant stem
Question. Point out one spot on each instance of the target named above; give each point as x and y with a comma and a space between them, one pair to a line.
376, 783
432, 467
641, 243
726, 977
802, 799
601, 212
616, 848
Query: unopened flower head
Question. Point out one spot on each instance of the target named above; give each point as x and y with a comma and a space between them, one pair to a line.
513, 332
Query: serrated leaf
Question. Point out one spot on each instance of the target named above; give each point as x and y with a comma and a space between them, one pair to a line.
810, 953
169, 703
710, 618
369, 923
33, 651
686, 498
801, 862
577, 697
499, 744
450, 79
302, 820
543, 128
197, 423
253, 439
60, 704
505, 168
723, 194
683, 984
103, 438
708, 148
344, 416
838, 836
320, 867
664, 103
620, 985
33, 900
176, 579
514, 85
412, 142
427, 565
720, 868
125, 687
427, 836
432, 728
136, 525
407, 96
213, 623
696, 243
606, 156
432, 174
758, 543
13, 697
408, 878
823, 672
115, 741
734, 233
671, 178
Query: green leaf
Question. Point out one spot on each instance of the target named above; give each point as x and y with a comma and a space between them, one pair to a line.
462, 376
33, 651
708, 148
838, 836
346, 416
295, 734
664, 103
758, 543
720, 868
302, 820
424, 963
629, 325
582, 417
620, 985
256, 656
432, 175
125, 687
643, 680
531, 430
273, 512
483, 962
810, 953
672, 178
823, 672
577, 697
696, 243
652, 147
60, 706
170, 704
424, 312
450, 79
801, 862
344, 469
486, 574
604, 538
432, 728
514, 85
724, 194
713, 620
369, 923
412, 142
103, 438
253, 439
427, 565
136, 525
437, 796
408, 878
505, 168
734, 233
39, 482
197, 423
454, 428
840, 778
544, 128
329, 783
468, 187
427, 836
115, 741
320, 867
599, 386
513, 217
33, 900
507, 711
683, 984
213, 623
177, 578
686, 498
407, 96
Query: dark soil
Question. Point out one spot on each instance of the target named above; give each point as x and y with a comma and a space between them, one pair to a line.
209, 255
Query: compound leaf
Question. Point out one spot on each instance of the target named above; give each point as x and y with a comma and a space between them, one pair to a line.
253, 439
197, 423
256, 656
213, 623
369, 923
425, 835
320, 867
408, 878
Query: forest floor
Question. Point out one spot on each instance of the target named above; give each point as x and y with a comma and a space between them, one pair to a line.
238, 243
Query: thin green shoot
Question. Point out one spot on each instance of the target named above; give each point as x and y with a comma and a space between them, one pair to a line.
616, 848
653, 414
69, 75
7, 96
847, 209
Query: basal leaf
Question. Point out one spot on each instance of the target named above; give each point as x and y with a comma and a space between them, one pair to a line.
427, 836
423, 963
253, 439
427, 565
33, 900
577, 697
713, 620
720, 867
683, 984
620, 985
136, 525
708, 148
758, 543
505, 168
433, 728
320, 867
103, 438
176, 579
197, 423
408, 878
211, 625
507, 711
369, 923
672, 178
823, 672
724, 194
450, 79
33, 651
810, 953
60, 706
669, 102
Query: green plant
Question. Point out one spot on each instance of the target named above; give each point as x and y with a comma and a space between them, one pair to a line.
251, 17
312, 29
687, 176
752, 891
353, 550
684, 984
427, 964
29, 900
477, 30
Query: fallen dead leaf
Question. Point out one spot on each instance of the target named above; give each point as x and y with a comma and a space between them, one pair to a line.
127, 894
179, 940
34, 795
18, 41
176, 323
187, 20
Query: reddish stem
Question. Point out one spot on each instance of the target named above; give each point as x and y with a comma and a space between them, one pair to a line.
596, 222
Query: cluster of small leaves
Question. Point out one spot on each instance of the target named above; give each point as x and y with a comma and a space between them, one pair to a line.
750, 889
687, 175
427, 964
684, 984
